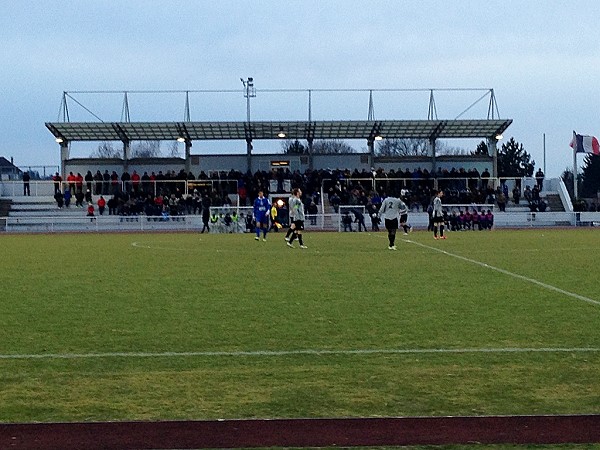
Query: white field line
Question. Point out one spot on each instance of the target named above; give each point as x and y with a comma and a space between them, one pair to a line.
506, 272
308, 352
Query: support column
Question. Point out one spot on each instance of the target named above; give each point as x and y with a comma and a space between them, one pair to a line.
493, 148
64, 156
311, 162
188, 156
433, 164
371, 148
249, 155
126, 155
433, 155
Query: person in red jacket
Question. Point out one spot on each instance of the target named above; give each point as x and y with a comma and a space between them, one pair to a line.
101, 205
79, 182
90, 210
135, 181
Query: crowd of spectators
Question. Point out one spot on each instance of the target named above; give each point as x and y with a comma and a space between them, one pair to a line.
182, 193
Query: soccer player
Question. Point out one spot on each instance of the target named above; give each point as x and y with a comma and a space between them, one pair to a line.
291, 219
391, 207
438, 215
297, 215
261, 211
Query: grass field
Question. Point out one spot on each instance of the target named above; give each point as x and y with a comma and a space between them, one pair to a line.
190, 326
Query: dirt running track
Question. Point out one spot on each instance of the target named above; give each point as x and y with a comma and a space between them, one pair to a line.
301, 433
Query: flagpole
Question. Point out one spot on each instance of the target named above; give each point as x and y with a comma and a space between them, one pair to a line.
545, 154
574, 173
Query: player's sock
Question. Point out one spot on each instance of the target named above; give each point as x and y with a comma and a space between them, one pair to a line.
435, 231
300, 239
257, 230
441, 230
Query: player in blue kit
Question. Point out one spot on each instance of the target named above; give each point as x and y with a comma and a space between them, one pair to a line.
261, 211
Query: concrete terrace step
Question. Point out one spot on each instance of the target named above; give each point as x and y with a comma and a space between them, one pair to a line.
53, 211
26, 200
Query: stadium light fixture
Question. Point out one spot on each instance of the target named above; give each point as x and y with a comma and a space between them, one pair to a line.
281, 133
180, 139
378, 137
499, 136
249, 91
59, 140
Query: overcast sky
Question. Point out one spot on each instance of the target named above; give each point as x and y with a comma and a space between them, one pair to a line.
542, 58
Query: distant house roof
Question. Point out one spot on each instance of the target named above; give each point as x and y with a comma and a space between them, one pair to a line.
7, 166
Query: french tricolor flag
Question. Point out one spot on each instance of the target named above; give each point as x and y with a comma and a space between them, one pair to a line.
585, 144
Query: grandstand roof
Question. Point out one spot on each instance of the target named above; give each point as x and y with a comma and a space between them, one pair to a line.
142, 131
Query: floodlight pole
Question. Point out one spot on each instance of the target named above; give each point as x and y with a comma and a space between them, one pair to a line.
249, 91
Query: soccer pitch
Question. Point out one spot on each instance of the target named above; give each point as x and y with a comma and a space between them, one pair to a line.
99, 327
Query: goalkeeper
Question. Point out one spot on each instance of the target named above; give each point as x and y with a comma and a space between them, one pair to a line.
261, 211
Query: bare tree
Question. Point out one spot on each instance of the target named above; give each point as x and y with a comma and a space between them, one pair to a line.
173, 150
402, 147
442, 148
293, 147
106, 150
332, 146
146, 149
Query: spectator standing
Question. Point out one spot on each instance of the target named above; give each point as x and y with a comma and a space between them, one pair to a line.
334, 201
67, 197
312, 209
528, 195
516, 192
105, 182
89, 180
347, 221
97, 182
57, 181
59, 199
489, 217
79, 183
26, 187
501, 200
79, 199
135, 182
206, 202
359, 218
539, 178
71, 181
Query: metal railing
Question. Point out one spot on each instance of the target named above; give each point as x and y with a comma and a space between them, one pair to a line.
316, 222
45, 188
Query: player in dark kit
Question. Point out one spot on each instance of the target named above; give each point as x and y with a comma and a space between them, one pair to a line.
262, 211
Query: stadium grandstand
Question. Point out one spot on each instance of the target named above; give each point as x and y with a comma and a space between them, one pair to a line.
173, 187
